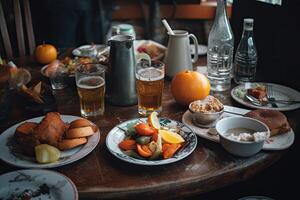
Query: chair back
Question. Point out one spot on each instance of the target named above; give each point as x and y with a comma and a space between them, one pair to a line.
13, 20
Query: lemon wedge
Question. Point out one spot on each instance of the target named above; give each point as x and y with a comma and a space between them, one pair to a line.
45, 153
153, 120
170, 137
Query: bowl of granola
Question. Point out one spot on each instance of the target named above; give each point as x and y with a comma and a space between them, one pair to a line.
206, 111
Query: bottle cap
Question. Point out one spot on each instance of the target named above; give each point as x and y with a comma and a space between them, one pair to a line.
248, 23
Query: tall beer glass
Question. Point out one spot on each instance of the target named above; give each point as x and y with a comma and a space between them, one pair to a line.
149, 85
90, 81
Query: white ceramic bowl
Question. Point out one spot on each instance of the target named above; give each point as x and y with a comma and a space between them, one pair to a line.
202, 118
241, 148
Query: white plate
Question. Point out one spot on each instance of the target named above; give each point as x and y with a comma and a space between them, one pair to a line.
80, 52
280, 92
116, 135
202, 49
10, 154
138, 43
278, 142
13, 184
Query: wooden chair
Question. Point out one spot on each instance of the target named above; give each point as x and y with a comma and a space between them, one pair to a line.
14, 15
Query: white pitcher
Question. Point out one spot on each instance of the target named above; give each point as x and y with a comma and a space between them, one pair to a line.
178, 56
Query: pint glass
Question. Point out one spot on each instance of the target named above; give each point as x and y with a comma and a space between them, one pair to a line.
149, 85
90, 81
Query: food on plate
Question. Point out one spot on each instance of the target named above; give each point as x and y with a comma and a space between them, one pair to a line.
275, 120
68, 64
246, 135
82, 123
153, 50
71, 143
208, 105
33, 93
45, 53
45, 153
188, 86
143, 141
53, 131
258, 92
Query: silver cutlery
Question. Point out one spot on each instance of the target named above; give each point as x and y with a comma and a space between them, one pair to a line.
256, 102
270, 95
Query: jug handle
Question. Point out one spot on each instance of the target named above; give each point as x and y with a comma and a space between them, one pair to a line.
193, 37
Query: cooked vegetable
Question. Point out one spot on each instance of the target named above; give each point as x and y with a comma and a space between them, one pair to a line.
144, 150
143, 139
169, 150
127, 144
144, 129
133, 154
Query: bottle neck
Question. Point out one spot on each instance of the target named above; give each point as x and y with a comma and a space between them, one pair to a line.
221, 9
247, 30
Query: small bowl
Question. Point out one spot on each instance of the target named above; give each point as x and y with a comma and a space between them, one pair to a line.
204, 118
241, 148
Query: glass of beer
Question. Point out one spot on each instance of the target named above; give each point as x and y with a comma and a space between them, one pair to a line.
149, 85
90, 81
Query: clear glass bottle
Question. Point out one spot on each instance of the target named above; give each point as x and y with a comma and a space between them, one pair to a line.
220, 50
245, 60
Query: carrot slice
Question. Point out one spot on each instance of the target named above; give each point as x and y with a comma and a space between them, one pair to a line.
127, 145
144, 150
169, 150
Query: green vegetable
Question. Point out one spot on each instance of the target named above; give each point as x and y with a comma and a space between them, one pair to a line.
143, 140
133, 154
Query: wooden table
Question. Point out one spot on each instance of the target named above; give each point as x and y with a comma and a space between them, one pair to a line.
101, 175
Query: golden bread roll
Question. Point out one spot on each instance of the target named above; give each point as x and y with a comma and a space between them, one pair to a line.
83, 123
66, 144
79, 132
275, 120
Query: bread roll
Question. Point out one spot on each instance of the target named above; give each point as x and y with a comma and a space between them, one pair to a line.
79, 132
275, 120
83, 123
71, 143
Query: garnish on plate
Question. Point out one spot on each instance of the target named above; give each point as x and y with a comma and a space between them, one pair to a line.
151, 140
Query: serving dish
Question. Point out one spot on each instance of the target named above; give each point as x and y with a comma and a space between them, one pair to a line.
10, 153
37, 184
117, 134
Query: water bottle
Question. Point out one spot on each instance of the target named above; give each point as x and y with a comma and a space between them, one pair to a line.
220, 50
245, 60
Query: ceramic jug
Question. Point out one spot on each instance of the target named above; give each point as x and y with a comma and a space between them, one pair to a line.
121, 71
178, 56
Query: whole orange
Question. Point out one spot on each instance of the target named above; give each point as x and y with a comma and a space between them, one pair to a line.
189, 86
45, 53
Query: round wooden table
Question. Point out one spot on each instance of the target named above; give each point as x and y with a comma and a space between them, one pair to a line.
100, 175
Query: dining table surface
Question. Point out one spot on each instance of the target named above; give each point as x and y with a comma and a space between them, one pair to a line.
100, 175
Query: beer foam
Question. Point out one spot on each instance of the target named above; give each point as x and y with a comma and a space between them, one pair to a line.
91, 82
149, 74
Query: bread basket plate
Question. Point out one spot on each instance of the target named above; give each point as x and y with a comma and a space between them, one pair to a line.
280, 92
37, 184
11, 154
117, 134
277, 142
83, 51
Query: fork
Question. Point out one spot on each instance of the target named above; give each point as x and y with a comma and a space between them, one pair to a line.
270, 96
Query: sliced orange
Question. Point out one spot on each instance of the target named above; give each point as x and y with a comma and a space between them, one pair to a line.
153, 120
171, 137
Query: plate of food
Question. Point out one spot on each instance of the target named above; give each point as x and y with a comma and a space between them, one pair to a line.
155, 50
49, 141
258, 92
91, 50
68, 64
36, 184
282, 135
151, 141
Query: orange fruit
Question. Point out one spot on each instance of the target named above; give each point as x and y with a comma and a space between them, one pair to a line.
188, 86
45, 53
